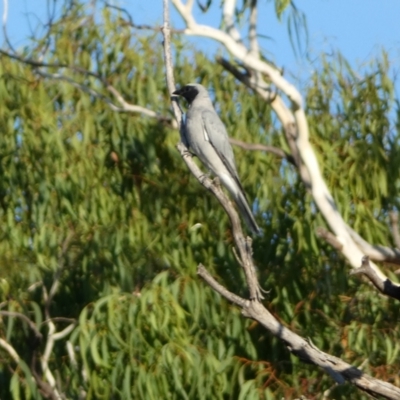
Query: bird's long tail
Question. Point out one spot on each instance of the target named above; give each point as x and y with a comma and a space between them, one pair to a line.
244, 208
235, 189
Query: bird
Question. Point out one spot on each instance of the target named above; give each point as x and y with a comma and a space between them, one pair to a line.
207, 138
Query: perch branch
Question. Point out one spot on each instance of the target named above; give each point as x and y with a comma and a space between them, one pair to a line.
243, 245
339, 370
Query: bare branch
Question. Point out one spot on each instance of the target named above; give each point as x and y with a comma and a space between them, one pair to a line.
239, 51
10, 350
60, 319
166, 30
52, 336
229, 19
262, 147
249, 79
339, 370
37, 64
34, 286
233, 298
24, 318
125, 106
130, 19
263, 90
386, 286
66, 331
46, 355
290, 130
329, 238
242, 244
4, 24
5, 16
254, 47
130, 107
253, 40
375, 252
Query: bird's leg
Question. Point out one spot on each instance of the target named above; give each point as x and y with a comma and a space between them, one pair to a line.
204, 176
217, 182
188, 153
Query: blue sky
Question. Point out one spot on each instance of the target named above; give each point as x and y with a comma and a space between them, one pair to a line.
358, 28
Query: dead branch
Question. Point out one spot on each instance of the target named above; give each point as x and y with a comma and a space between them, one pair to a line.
339, 370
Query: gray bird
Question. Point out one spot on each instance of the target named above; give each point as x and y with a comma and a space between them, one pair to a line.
207, 138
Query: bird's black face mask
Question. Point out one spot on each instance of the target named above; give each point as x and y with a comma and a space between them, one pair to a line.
188, 92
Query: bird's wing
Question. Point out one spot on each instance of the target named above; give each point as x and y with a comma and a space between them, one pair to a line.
215, 133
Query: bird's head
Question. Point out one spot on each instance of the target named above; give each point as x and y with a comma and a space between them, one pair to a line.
191, 91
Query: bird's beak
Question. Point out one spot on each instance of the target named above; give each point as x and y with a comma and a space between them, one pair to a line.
177, 92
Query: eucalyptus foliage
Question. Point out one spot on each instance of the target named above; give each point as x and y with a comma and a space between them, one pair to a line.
101, 200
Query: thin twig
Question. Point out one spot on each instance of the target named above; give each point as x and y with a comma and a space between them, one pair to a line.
233, 298
329, 238
262, 147
24, 318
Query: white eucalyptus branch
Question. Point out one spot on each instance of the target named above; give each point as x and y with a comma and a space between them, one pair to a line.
52, 337
254, 47
239, 51
71, 354
44, 361
125, 106
5, 13
293, 120
375, 252
10, 350
229, 19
